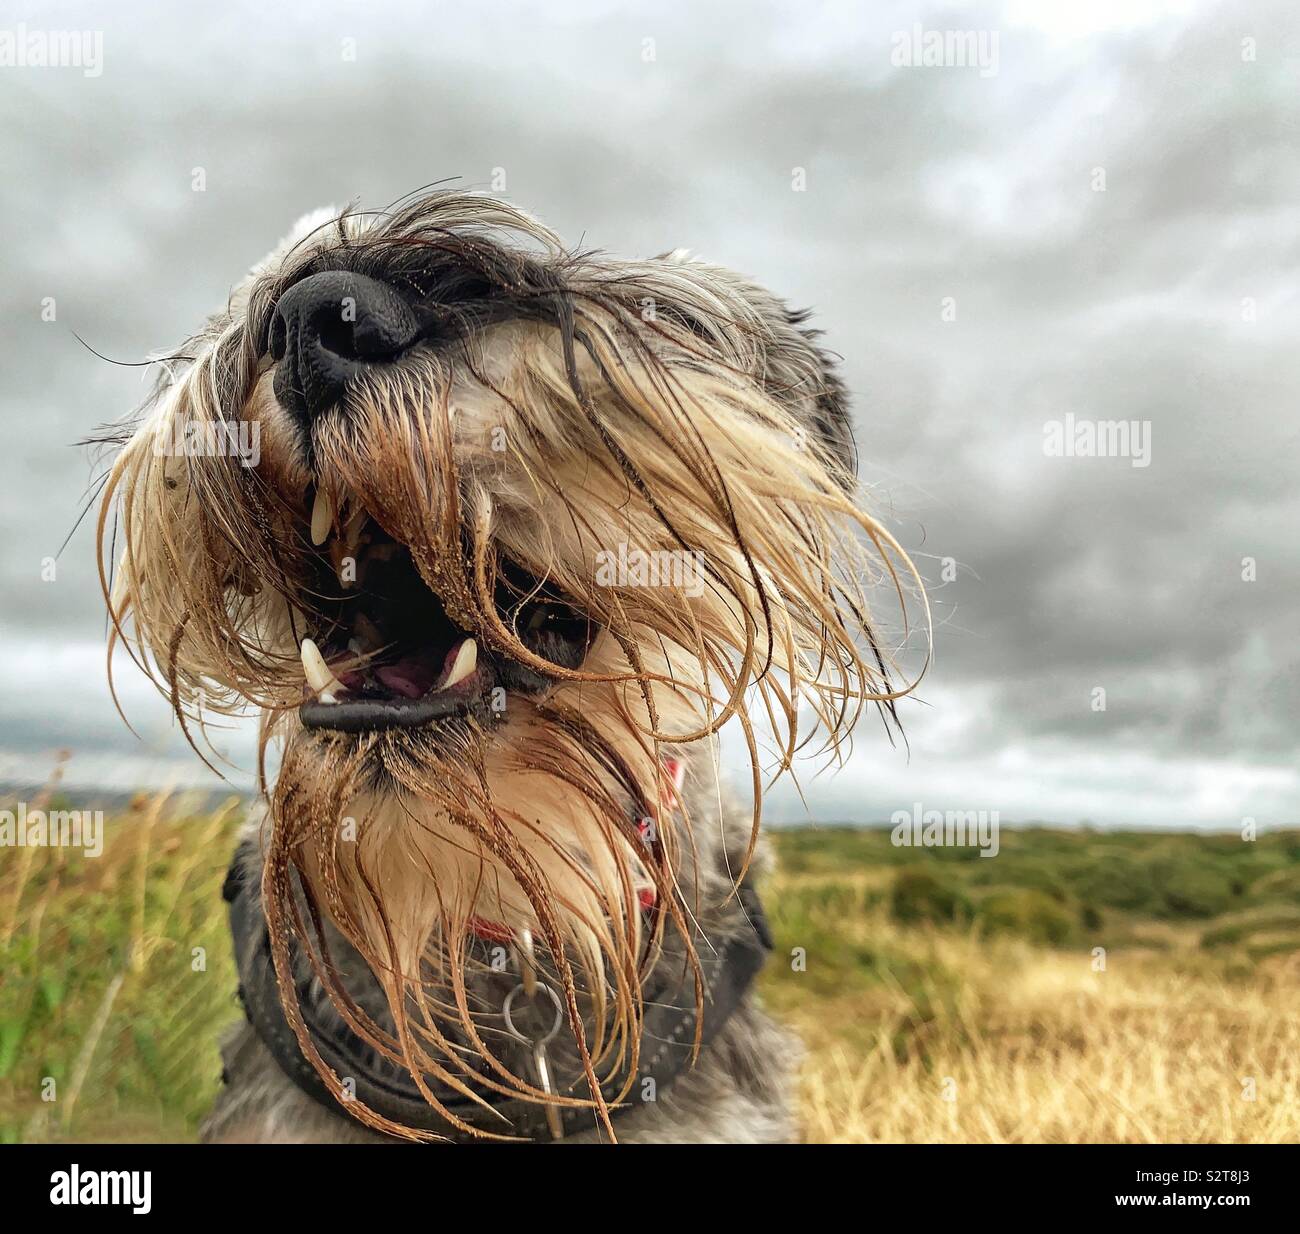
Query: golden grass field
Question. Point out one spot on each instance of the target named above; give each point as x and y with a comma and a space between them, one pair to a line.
944, 997
1038, 1048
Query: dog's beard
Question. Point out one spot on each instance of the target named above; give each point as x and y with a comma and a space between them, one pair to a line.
528, 818
415, 855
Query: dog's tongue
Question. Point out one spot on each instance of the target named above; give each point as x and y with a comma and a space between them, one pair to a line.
413, 676
410, 678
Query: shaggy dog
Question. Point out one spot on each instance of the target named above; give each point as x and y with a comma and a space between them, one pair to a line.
496, 536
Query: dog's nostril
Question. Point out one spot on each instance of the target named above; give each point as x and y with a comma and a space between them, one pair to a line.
339, 336
329, 328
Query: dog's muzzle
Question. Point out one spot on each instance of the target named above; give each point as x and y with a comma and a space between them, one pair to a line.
329, 329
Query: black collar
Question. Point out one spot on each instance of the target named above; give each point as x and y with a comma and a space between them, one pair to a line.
667, 1034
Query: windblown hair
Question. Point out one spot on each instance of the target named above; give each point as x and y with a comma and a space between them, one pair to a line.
566, 404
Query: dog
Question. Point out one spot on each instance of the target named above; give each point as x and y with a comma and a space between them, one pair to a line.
497, 536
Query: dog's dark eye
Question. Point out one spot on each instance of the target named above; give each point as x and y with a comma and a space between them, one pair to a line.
555, 631
552, 618
543, 616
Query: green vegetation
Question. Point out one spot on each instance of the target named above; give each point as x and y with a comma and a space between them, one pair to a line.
117, 980
1090, 875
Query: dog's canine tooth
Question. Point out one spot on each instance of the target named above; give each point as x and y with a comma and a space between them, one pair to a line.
322, 517
465, 663
318, 672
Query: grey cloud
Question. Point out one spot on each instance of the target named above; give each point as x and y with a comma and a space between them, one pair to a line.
922, 184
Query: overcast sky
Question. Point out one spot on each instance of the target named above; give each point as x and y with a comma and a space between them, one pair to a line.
1102, 221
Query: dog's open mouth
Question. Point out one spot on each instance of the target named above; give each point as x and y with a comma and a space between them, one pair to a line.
387, 654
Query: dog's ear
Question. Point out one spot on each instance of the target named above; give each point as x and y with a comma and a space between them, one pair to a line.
828, 409
797, 372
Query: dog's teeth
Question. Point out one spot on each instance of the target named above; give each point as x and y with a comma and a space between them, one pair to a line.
322, 517
465, 663
318, 673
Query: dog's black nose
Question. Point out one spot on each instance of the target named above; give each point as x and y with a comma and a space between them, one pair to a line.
331, 327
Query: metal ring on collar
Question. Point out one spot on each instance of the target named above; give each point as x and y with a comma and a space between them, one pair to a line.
508, 1005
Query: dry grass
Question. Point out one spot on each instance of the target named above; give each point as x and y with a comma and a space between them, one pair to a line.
998, 1041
